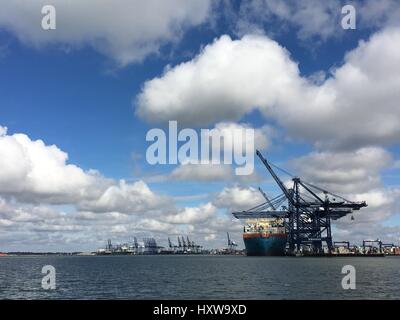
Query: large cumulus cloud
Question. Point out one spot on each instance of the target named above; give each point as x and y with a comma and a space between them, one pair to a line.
356, 105
124, 30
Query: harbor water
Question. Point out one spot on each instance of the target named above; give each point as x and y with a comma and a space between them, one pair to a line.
198, 277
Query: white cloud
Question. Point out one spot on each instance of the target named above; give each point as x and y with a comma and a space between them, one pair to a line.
3, 131
262, 136
242, 148
355, 171
93, 208
312, 19
354, 175
224, 82
388, 234
241, 144
368, 223
156, 226
210, 237
126, 198
193, 214
238, 198
125, 30
382, 203
30, 227
202, 172
219, 225
119, 229
129, 30
32, 170
379, 13
341, 112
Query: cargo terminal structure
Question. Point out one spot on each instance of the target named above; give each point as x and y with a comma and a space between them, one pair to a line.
296, 221
149, 246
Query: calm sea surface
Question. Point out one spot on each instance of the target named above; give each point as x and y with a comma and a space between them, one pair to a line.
198, 277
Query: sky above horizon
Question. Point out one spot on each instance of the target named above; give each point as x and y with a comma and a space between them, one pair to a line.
76, 104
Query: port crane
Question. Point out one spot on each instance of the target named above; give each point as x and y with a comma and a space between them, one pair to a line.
109, 245
190, 244
307, 210
171, 246
183, 243
345, 244
179, 243
231, 244
370, 244
385, 246
266, 198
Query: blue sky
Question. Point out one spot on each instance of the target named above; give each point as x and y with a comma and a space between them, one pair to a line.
76, 92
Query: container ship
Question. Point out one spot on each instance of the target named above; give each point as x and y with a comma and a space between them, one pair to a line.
265, 237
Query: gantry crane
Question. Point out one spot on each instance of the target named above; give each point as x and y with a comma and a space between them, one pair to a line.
370, 244
308, 212
183, 243
231, 244
190, 244
179, 243
266, 198
345, 244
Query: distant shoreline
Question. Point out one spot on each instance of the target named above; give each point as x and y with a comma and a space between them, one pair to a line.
94, 254
8, 254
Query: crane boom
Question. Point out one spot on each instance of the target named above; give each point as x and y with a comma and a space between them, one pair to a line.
169, 243
276, 178
266, 198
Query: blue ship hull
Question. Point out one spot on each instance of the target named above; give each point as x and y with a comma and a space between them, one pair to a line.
265, 246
